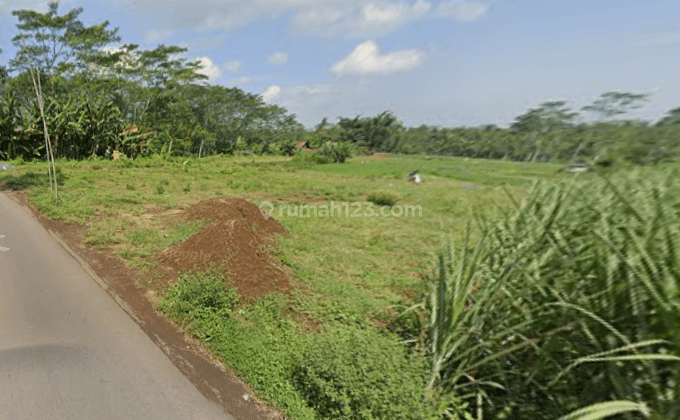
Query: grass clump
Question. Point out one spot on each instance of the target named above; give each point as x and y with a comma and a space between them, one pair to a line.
383, 198
199, 301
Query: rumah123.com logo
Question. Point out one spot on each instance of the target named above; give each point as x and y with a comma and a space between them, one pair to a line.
1, 247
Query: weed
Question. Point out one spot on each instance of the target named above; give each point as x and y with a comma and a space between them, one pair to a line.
383, 198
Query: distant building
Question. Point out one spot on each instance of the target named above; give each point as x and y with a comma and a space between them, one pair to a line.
304, 146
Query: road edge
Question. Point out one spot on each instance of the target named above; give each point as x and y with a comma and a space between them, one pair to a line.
242, 404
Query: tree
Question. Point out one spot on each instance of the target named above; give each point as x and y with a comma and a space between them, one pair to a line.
372, 133
543, 121
672, 119
52, 43
611, 104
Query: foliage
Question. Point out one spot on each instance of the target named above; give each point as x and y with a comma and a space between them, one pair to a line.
149, 101
197, 297
360, 374
611, 104
334, 153
573, 300
353, 278
383, 198
137, 101
57, 43
372, 133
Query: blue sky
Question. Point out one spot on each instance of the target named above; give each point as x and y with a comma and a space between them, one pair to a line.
447, 63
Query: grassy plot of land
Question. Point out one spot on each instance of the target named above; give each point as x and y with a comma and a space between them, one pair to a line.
350, 276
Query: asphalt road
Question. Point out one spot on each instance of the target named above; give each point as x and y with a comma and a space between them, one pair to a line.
67, 350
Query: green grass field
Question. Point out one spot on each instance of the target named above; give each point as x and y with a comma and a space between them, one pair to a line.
349, 273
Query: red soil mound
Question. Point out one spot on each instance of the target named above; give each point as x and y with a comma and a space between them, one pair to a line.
239, 235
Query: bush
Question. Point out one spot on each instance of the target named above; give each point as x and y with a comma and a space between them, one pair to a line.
335, 153
360, 374
288, 148
383, 198
198, 297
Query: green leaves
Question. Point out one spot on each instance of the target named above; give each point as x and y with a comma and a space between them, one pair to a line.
611, 104
49, 41
572, 301
607, 409
372, 133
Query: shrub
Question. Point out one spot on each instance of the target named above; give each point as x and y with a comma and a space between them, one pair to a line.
160, 189
199, 297
334, 153
383, 198
288, 148
360, 374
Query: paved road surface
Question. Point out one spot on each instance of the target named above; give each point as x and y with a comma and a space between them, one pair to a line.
67, 350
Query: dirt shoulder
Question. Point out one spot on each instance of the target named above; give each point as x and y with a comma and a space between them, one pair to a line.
214, 380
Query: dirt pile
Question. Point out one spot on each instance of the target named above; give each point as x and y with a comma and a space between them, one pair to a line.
239, 235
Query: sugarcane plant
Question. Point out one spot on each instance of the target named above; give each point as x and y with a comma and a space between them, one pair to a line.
568, 308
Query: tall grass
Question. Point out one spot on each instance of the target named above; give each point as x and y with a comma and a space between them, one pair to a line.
571, 301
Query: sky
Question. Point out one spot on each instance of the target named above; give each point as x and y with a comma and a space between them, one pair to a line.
437, 62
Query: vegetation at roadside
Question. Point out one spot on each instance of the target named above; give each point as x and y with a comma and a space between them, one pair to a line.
560, 301
581, 278
570, 301
349, 284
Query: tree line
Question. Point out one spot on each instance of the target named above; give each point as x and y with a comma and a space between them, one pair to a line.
97, 97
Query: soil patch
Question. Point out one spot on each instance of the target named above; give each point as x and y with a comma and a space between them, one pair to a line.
239, 238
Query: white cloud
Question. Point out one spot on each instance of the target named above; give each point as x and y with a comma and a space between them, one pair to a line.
271, 93
335, 18
232, 66
153, 35
315, 20
367, 19
210, 69
278, 58
462, 10
40, 6
393, 13
367, 59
